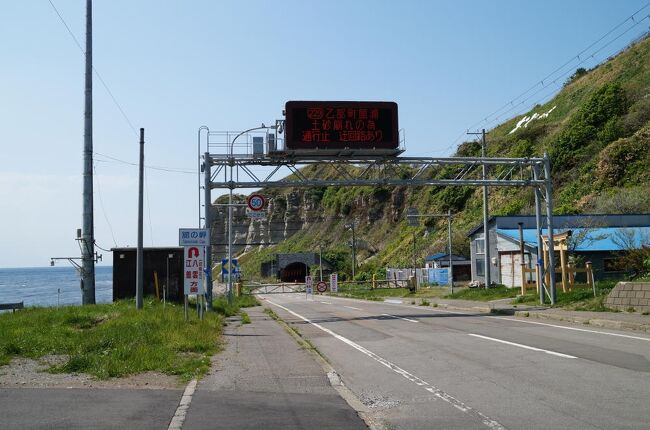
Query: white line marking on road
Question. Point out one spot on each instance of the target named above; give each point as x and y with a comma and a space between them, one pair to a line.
493, 424
402, 318
352, 307
559, 354
573, 328
393, 301
183, 406
326, 303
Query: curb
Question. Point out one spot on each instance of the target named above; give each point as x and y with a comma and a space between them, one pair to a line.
335, 380
596, 322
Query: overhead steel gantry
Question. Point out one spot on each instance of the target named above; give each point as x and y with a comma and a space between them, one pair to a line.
240, 170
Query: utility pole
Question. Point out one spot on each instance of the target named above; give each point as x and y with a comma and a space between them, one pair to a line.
208, 227
88, 237
414, 254
320, 262
139, 280
354, 248
486, 235
451, 267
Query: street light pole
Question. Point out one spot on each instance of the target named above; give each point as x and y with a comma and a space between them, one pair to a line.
231, 162
354, 248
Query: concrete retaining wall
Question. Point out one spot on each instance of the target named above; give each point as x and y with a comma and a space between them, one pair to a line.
626, 295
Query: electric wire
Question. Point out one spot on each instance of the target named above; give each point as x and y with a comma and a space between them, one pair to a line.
146, 193
101, 204
578, 56
160, 168
104, 84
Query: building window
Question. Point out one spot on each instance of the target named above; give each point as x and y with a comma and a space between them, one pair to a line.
611, 265
480, 268
480, 246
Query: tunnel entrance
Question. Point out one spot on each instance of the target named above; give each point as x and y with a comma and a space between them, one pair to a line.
294, 272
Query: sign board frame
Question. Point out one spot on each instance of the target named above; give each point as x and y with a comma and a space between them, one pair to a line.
193, 237
360, 125
193, 274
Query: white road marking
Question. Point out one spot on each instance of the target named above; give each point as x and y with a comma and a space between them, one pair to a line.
327, 303
559, 354
179, 417
402, 318
393, 301
352, 307
573, 328
489, 422
627, 336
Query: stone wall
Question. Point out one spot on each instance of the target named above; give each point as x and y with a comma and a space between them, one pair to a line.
626, 295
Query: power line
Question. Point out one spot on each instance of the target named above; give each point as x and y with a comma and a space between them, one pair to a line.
542, 82
105, 85
160, 168
101, 204
146, 185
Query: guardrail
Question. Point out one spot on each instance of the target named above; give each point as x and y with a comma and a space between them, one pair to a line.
11, 306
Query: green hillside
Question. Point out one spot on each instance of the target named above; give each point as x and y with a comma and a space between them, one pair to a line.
596, 130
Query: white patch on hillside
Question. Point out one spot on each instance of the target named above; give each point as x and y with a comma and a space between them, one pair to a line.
527, 119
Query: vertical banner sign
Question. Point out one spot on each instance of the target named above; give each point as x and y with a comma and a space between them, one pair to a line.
334, 283
309, 285
194, 257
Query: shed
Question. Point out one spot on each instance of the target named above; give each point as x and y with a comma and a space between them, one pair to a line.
165, 263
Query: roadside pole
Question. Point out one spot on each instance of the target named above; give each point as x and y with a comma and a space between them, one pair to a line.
139, 280
451, 267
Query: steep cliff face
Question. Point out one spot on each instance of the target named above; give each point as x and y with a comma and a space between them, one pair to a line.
596, 130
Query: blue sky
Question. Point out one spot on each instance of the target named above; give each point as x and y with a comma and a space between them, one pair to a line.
176, 65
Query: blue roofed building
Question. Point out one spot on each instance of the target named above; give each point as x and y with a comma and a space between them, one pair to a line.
597, 238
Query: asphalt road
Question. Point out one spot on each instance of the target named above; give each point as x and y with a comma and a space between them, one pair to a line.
422, 368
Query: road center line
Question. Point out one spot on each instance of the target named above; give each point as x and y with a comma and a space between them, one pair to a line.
559, 354
179, 417
573, 328
489, 422
402, 318
352, 307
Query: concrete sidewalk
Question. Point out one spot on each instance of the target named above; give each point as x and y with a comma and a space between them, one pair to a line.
611, 320
264, 379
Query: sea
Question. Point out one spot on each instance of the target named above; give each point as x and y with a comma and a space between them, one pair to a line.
52, 286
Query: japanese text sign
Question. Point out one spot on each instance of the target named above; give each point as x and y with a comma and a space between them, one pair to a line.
193, 237
193, 261
339, 125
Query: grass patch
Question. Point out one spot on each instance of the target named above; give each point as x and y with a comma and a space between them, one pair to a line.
424, 302
113, 340
484, 294
220, 304
581, 298
245, 319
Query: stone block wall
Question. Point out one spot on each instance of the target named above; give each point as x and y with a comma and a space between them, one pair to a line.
626, 295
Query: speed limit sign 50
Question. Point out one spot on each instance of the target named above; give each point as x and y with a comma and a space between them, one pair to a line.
256, 202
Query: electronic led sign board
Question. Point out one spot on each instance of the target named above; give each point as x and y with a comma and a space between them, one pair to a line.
327, 125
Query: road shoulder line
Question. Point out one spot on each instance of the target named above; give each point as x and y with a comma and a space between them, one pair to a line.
438, 393
181, 412
532, 348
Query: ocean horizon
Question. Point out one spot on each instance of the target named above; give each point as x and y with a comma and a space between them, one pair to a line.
51, 286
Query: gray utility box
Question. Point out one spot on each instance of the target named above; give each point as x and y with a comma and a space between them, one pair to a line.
258, 146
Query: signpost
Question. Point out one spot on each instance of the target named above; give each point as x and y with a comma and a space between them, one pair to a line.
309, 286
341, 125
321, 287
334, 283
256, 202
194, 241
